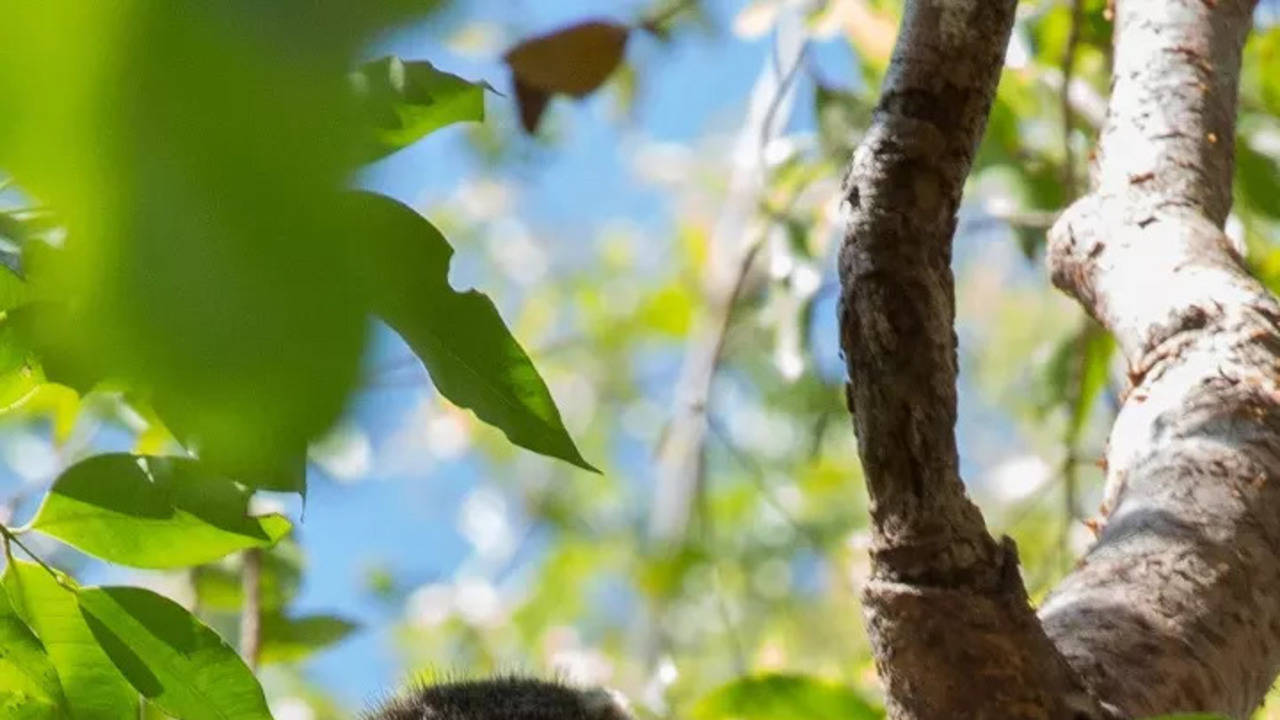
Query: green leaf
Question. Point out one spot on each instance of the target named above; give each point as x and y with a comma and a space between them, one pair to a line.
404, 101
287, 639
842, 118
1257, 179
784, 697
153, 512
1095, 360
1259, 80
20, 371
1190, 716
94, 689
460, 337
29, 687
170, 657
195, 154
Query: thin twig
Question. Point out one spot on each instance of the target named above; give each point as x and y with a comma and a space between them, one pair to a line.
736, 647
756, 474
784, 85
251, 611
1068, 124
681, 445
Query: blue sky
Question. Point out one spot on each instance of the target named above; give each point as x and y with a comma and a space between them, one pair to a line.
694, 86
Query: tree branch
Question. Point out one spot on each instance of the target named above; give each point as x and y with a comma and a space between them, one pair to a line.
948, 616
1177, 606
897, 302
251, 610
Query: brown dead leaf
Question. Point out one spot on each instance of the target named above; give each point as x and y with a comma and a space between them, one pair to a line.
575, 60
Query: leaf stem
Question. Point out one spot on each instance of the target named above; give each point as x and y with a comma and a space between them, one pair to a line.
12, 537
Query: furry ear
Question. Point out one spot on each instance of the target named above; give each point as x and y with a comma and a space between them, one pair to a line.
503, 698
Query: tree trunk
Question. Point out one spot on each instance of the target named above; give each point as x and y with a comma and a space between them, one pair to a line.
1177, 606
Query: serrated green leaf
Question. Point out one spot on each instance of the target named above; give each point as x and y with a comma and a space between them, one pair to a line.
94, 689
403, 101
460, 337
286, 639
784, 697
170, 657
29, 687
153, 512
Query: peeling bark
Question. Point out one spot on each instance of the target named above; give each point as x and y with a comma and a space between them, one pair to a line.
1177, 606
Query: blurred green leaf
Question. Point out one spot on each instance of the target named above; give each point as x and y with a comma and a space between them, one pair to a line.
405, 100
460, 337
286, 639
220, 587
153, 512
1095, 360
29, 687
842, 118
784, 697
1259, 78
170, 657
1074, 376
94, 689
194, 153
1257, 179
20, 371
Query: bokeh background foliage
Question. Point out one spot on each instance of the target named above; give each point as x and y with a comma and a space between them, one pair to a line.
237, 371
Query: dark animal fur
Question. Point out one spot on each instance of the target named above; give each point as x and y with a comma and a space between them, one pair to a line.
510, 698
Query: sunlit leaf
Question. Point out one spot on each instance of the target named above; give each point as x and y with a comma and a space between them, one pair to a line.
460, 337
29, 687
153, 512
20, 372
286, 639
784, 697
94, 689
405, 100
170, 657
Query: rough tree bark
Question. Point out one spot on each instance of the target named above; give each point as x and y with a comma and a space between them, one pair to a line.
1177, 606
